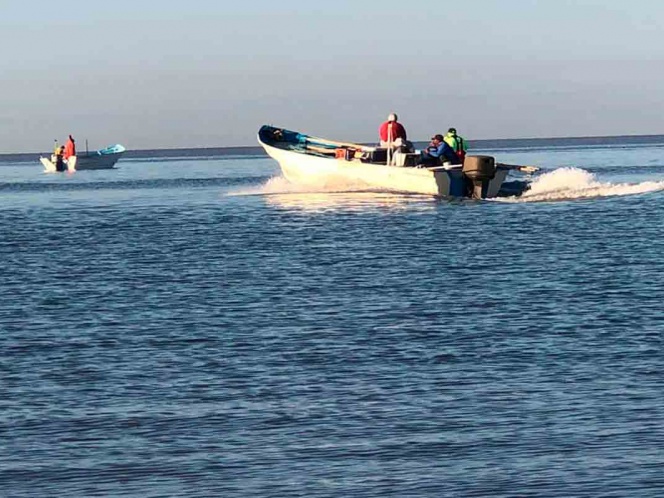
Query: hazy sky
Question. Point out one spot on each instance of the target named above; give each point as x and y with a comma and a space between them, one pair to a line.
204, 73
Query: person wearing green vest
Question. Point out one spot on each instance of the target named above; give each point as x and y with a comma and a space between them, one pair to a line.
457, 143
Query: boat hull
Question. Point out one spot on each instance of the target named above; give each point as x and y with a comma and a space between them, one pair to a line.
106, 161
317, 171
328, 172
49, 165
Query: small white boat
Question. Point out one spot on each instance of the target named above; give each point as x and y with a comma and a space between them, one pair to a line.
100, 159
309, 160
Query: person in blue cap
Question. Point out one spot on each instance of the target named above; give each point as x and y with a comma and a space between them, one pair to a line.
439, 152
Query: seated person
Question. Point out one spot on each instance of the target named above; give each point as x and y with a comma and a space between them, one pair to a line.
439, 152
457, 142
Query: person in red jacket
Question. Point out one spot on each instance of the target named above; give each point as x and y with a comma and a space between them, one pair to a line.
393, 137
70, 148
392, 133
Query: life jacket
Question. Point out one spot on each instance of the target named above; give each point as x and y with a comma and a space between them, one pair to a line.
458, 144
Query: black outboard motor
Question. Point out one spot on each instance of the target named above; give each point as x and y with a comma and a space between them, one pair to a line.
478, 171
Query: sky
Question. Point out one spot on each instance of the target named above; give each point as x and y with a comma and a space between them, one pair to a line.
205, 73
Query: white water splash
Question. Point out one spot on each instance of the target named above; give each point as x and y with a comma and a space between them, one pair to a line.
274, 185
575, 183
279, 185
340, 194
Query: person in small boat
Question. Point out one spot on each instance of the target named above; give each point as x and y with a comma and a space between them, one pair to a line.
70, 148
439, 152
457, 143
393, 135
59, 159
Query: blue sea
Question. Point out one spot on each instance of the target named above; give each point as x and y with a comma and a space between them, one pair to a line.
190, 324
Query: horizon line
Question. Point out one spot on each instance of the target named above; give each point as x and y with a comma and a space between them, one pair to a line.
257, 146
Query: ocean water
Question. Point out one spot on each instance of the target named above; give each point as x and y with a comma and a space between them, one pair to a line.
193, 325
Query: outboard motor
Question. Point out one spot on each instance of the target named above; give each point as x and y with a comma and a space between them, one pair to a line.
478, 172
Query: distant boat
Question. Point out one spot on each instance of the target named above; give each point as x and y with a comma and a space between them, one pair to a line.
100, 159
317, 161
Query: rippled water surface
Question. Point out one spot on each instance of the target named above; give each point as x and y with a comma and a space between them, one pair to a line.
198, 327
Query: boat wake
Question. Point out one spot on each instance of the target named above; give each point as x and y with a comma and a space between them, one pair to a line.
338, 195
279, 185
575, 183
558, 185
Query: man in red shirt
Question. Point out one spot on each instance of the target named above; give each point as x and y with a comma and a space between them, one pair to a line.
393, 138
70, 148
392, 133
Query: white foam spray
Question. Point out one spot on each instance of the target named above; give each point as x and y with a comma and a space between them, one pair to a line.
279, 185
337, 194
560, 184
575, 183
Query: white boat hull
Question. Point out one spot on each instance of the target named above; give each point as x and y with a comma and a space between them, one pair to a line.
317, 171
322, 171
49, 166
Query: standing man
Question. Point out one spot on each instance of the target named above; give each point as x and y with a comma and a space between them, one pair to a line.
393, 137
392, 133
70, 148
457, 143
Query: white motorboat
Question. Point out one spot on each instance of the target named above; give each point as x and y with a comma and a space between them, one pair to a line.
314, 161
100, 159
